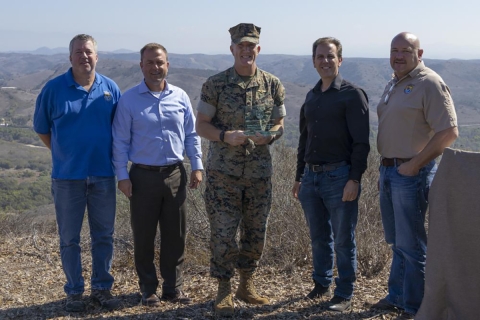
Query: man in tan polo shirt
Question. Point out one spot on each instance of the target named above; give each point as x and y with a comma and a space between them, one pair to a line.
416, 122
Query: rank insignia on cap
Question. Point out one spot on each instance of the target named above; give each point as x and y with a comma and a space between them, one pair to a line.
107, 95
408, 89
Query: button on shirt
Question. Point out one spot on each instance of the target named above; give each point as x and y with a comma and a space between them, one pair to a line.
154, 131
334, 127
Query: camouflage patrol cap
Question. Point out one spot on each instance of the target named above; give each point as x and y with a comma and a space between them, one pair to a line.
245, 32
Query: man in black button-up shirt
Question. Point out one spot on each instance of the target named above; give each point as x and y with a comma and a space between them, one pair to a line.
332, 156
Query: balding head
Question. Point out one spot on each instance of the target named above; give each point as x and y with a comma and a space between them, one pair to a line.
405, 53
409, 37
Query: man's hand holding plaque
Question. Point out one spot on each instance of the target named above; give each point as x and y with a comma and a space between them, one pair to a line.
259, 122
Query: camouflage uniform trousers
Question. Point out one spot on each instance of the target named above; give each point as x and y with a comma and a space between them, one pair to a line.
232, 201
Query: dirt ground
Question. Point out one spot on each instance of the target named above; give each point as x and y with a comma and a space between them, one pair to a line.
31, 287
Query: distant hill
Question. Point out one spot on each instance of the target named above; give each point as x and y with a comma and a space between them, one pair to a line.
62, 50
43, 51
16, 106
122, 51
188, 71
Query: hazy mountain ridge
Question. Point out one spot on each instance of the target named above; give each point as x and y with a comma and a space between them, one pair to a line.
29, 73
62, 50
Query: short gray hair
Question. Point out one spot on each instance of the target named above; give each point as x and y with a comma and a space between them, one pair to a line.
83, 37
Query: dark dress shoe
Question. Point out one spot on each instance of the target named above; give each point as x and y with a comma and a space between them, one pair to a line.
150, 300
176, 297
383, 304
318, 291
340, 304
405, 316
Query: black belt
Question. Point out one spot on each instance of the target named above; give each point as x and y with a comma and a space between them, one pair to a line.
157, 168
393, 162
326, 167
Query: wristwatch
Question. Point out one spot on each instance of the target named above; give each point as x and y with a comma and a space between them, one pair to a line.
273, 140
222, 135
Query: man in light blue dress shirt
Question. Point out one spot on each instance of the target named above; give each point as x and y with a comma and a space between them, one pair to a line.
154, 127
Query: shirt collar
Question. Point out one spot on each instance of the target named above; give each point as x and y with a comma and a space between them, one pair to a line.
336, 84
235, 78
71, 81
142, 88
412, 74
420, 66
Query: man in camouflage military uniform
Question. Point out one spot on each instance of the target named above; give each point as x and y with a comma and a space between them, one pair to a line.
239, 167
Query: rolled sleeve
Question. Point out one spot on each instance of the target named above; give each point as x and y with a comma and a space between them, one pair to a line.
208, 99
206, 109
279, 112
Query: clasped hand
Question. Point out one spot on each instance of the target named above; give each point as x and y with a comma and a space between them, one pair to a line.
238, 137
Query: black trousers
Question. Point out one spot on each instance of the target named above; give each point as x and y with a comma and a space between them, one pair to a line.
159, 198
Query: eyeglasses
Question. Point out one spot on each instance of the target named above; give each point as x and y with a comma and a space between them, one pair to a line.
394, 82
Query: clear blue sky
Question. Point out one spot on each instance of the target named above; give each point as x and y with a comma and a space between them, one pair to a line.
447, 29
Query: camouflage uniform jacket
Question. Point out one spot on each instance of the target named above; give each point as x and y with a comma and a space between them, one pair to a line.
228, 101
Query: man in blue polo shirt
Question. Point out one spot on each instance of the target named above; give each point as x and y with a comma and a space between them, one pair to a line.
73, 117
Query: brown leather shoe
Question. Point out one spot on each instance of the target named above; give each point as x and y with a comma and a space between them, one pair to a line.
177, 297
150, 300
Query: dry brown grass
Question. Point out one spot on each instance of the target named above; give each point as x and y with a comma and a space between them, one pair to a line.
31, 278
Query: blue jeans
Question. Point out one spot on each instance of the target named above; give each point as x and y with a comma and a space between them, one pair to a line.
403, 203
332, 225
71, 197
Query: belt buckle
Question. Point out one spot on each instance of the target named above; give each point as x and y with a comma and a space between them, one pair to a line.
329, 167
170, 167
163, 168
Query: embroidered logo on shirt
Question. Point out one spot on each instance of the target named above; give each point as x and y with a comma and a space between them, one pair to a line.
107, 95
408, 89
